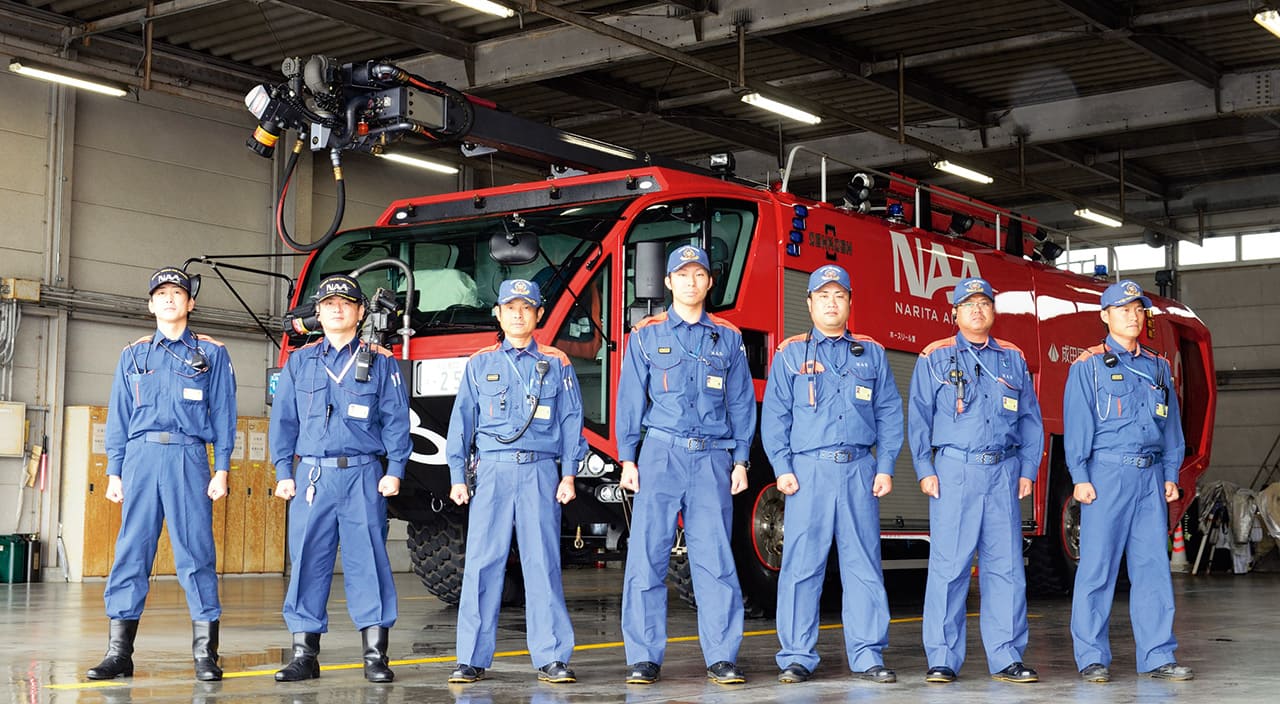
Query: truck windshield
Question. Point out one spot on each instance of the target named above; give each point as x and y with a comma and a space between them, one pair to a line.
455, 280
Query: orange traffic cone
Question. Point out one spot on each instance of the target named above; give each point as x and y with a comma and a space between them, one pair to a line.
1178, 562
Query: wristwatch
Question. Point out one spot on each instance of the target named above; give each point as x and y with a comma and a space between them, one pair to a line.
746, 464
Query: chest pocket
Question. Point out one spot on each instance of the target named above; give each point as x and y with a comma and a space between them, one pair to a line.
360, 403
545, 415
495, 396
312, 394
665, 360
145, 389
712, 376
862, 383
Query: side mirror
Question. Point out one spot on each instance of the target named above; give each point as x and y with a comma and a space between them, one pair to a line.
513, 248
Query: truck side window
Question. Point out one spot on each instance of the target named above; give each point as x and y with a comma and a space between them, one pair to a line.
583, 338
726, 225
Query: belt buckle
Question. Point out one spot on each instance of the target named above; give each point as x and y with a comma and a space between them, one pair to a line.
162, 438
523, 456
843, 456
988, 457
1144, 461
695, 444
341, 462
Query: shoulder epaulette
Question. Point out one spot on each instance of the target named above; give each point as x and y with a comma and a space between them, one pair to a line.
793, 339
937, 345
1096, 349
553, 352
1151, 351
724, 323
651, 320
205, 338
313, 343
139, 341
491, 348
866, 338
1010, 346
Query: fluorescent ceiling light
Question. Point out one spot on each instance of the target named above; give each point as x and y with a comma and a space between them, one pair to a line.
1098, 218
487, 7
1270, 19
781, 108
962, 172
421, 163
66, 78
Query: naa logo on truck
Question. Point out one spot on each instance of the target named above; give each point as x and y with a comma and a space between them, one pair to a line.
925, 271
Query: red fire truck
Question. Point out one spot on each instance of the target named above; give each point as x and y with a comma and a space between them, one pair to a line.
596, 243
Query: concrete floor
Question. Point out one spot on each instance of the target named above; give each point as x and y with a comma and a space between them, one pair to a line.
1227, 626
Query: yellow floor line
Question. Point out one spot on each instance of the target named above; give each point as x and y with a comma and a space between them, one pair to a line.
502, 654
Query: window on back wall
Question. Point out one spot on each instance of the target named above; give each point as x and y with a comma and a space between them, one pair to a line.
1214, 250
1139, 257
1265, 245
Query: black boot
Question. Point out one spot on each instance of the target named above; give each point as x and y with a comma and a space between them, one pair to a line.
375, 655
304, 666
204, 649
118, 661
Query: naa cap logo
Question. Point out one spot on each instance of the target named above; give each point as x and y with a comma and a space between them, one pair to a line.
688, 254
1131, 289
520, 287
973, 286
830, 273
169, 277
337, 286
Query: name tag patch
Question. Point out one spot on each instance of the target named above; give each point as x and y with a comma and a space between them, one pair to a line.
492, 377
664, 350
543, 412
356, 410
192, 394
715, 382
1162, 410
1011, 404
862, 393
1117, 377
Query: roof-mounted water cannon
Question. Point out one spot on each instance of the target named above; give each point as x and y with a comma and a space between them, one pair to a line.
865, 193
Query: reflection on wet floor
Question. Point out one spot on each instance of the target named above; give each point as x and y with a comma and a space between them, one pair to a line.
56, 630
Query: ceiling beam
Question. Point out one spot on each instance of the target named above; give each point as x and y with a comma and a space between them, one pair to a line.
416, 30
139, 17
847, 59
1135, 177
1109, 16
630, 99
827, 111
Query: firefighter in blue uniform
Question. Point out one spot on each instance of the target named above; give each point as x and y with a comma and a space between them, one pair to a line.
332, 430
685, 382
174, 393
1124, 448
831, 397
976, 439
518, 413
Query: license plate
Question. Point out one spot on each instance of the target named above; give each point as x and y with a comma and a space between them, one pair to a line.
438, 377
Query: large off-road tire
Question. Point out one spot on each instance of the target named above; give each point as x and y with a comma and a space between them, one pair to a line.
437, 549
1052, 559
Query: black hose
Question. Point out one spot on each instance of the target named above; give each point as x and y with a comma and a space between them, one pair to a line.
542, 366
335, 156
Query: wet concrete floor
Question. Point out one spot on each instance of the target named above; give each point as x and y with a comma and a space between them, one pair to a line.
1227, 627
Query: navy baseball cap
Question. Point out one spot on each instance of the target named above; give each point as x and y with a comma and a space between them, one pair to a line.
971, 287
688, 254
1123, 293
170, 275
829, 274
523, 289
339, 285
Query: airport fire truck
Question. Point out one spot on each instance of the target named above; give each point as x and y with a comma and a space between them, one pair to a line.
596, 243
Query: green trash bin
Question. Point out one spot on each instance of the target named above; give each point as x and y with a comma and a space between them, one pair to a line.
13, 559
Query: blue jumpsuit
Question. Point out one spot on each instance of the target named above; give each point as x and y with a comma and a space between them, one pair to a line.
515, 484
340, 431
688, 386
824, 409
1124, 436
986, 435
163, 412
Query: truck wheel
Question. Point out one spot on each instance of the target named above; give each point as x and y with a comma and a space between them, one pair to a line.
1053, 558
680, 578
437, 549
757, 531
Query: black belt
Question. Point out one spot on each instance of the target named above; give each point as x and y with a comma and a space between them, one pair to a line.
841, 456
1140, 459
163, 438
517, 456
983, 457
690, 444
341, 462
